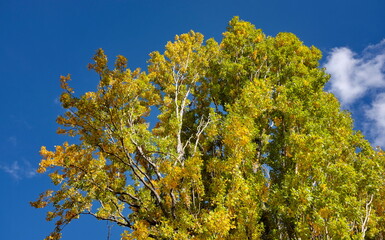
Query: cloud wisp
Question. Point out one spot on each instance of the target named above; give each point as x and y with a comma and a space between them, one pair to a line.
13, 141
17, 171
359, 80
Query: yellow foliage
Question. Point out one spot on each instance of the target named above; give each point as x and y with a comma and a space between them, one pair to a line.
246, 145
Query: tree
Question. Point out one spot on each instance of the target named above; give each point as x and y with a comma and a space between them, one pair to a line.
246, 145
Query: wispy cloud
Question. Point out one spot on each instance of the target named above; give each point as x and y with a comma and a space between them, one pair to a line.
12, 140
18, 171
359, 80
20, 122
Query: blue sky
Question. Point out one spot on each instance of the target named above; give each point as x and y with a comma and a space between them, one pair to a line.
43, 39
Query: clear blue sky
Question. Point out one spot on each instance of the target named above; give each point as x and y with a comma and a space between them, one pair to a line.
43, 39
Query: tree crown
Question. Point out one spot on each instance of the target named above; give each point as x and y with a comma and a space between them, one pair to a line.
246, 145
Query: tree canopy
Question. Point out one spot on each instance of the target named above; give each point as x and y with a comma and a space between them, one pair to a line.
246, 145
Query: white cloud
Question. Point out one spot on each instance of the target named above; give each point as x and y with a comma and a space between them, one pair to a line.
353, 75
358, 80
376, 115
18, 172
13, 169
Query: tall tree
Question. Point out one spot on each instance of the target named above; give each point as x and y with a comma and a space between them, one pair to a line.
246, 145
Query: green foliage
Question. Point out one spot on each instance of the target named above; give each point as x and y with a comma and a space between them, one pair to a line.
247, 146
